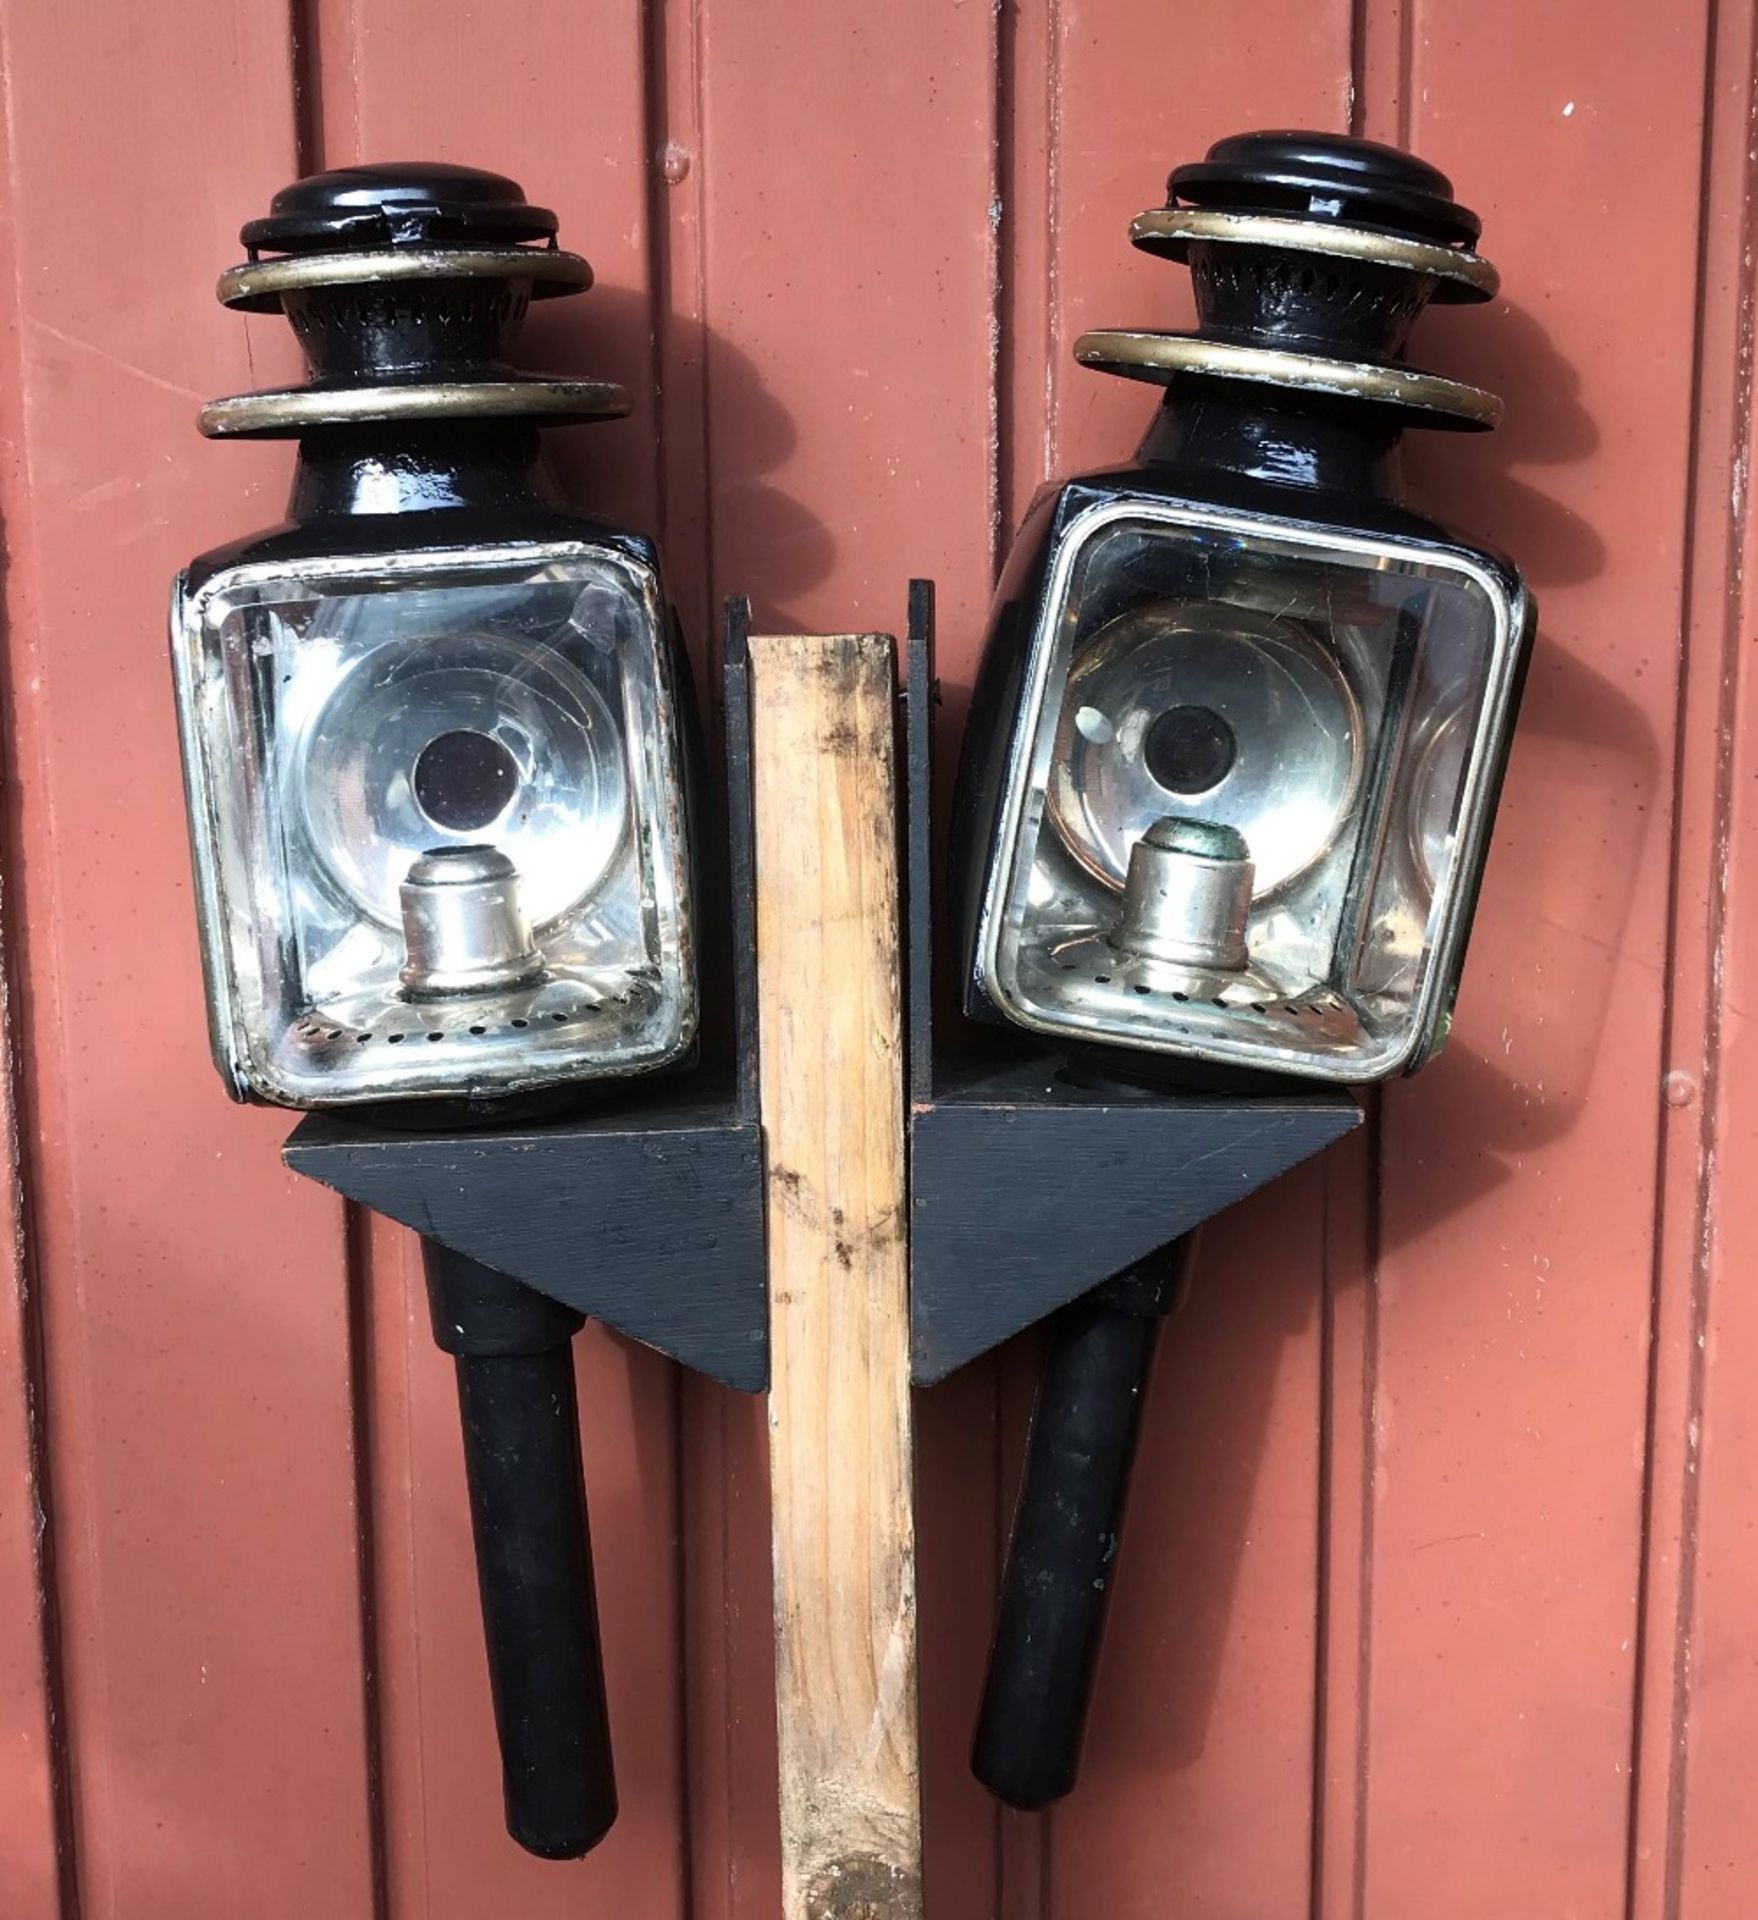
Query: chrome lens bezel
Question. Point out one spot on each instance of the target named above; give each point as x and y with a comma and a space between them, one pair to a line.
237, 1060
1449, 912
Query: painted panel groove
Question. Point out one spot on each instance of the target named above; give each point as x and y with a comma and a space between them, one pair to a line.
194, 1332
37, 1868
37, 1878
1692, 1852
1518, 1188
1379, 108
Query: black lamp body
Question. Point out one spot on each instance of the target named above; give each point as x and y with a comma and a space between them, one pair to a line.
423, 518
1318, 667
1230, 769
431, 654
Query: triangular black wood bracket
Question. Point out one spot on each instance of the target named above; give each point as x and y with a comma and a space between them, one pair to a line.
1027, 1189
648, 1217
646, 1214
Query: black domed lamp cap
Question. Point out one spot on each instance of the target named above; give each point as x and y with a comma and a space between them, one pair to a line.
1327, 176
417, 203
406, 284
1311, 254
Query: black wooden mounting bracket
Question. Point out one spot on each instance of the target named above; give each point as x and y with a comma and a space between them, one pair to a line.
1028, 1189
645, 1213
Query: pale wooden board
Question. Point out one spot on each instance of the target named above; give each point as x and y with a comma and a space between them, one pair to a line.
839, 1420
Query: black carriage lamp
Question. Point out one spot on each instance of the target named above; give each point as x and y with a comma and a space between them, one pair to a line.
435, 764
1231, 768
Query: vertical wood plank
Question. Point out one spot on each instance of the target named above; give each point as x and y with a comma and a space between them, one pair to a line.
193, 1297
833, 222
831, 1083
1519, 1173
560, 102
1198, 1781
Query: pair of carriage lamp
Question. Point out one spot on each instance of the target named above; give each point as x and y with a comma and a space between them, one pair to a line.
1226, 791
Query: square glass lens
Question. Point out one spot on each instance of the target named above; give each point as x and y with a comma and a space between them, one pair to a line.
343, 719
1338, 705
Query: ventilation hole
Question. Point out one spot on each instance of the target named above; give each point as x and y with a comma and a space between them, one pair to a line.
393, 1038
558, 1017
1218, 1001
520, 1023
335, 1033
479, 1031
1067, 966
1181, 998
362, 1039
1140, 988
1103, 979
436, 1035
1257, 1006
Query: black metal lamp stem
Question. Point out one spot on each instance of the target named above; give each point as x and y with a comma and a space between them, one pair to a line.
1061, 1558
514, 1353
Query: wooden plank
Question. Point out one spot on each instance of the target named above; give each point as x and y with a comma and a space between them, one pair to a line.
559, 101
830, 306
831, 1077
1198, 1782
1510, 1370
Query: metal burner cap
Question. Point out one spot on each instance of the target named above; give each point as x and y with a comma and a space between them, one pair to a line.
464, 926
1188, 895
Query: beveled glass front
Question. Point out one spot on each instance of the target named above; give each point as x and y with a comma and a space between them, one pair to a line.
341, 720
1341, 703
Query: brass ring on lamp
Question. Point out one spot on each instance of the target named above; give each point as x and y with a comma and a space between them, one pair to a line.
1161, 357
276, 414
1461, 274
256, 286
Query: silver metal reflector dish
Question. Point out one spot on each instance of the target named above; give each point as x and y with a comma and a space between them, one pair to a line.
1248, 790
438, 822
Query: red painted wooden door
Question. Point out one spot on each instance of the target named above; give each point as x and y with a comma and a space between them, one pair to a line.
1439, 1593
